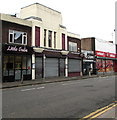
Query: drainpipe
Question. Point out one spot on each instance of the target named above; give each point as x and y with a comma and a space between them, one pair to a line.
66, 66
82, 56
33, 69
44, 58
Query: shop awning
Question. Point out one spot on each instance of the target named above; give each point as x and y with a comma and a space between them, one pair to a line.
74, 55
106, 58
52, 53
88, 60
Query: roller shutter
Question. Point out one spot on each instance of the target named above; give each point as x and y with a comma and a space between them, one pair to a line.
74, 65
51, 67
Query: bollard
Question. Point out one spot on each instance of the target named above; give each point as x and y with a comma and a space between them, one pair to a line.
89, 73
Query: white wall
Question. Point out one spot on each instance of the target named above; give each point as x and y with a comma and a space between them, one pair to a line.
104, 46
116, 22
51, 20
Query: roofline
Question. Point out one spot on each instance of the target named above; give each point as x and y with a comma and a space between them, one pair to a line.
89, 38
43, 6
73, 33
9, 18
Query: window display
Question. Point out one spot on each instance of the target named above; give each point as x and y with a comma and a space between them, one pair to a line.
109, 65
16, 66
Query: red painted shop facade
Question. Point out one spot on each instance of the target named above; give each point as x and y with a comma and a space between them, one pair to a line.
105, 62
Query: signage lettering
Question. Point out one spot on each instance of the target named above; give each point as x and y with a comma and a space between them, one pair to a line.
100, 53
105, 54
10, 48
17, 49
23, 49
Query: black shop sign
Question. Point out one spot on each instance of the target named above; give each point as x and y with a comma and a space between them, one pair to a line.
17, 49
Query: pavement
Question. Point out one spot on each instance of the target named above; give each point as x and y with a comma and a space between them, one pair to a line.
110, 112
107, 112
47, 80
42, 81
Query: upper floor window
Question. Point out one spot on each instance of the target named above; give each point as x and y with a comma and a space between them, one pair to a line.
63, 41
45, 37
73, 46
37, 36
54, 39
17, 37
50, 38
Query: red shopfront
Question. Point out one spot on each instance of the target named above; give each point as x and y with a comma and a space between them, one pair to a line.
17, 62
105, 62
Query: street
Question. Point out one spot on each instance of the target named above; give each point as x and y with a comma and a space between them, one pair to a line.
70, 99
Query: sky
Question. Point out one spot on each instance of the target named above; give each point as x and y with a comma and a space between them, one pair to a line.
89, 18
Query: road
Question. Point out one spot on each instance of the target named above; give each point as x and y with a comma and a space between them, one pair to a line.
69, 99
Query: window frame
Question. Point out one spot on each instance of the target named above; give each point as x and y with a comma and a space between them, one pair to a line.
71, 47
49, 40
45, 35
24, 36
55, 39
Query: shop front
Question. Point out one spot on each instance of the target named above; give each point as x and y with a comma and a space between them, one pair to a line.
89, 66
17, 63
49, 63
105, 62
74, 65
88, 62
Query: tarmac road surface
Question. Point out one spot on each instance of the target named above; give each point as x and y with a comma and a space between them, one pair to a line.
69, 99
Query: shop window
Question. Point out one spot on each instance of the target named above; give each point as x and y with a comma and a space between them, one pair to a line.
28, 65
5, 66
17, 37
18, 62
73, 46
24, 63
11, 65
15, 66
109, 66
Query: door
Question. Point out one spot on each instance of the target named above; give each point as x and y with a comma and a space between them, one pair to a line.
51, 67
62, 67
38, 67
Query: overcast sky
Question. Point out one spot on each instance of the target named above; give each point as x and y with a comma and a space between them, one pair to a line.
89, 18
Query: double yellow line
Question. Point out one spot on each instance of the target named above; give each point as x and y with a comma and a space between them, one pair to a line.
99, 111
